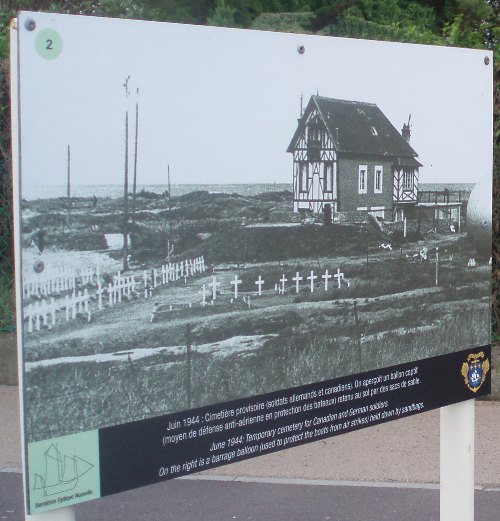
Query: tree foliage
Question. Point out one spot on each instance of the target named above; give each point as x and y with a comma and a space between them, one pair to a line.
467, 23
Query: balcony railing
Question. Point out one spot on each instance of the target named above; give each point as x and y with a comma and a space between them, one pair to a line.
441, 197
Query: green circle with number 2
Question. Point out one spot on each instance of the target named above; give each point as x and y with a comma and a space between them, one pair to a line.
48, 44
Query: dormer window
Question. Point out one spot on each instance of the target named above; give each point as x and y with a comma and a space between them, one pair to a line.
314, 139
374, 131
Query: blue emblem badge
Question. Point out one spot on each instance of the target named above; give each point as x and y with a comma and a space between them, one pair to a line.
475, 370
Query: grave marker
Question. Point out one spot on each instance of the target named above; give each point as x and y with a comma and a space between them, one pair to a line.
312, 277
297, 280
326, 277
283, 280
214, 285
339, 276
259, 282
204, 292
236, 282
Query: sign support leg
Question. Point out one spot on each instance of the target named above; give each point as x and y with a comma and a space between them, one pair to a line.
61, 514
457, 462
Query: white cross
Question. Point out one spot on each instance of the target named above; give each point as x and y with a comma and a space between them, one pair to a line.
283, 280
259, 283
99, 292
297, 280
204, 292
214, 285
339, 276
312, 277
236, 282
326, 276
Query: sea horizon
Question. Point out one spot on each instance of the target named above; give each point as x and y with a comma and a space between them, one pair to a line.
36, 192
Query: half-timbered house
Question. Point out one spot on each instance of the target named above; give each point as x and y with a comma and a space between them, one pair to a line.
348, 155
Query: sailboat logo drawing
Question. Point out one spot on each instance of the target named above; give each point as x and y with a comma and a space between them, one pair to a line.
61, 472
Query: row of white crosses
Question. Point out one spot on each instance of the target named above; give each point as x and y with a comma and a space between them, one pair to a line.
50, 283
280, 288
122, 286
58, 280
212, 288
44, 313
172, 272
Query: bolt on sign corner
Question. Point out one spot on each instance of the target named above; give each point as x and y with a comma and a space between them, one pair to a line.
234, 242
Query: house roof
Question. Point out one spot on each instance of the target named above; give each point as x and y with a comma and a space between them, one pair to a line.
357, 127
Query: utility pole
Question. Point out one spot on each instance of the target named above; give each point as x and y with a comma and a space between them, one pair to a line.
358, 336
68, 185
125, 185
134, 191
69, 174
169, 201
437, 265
188, 365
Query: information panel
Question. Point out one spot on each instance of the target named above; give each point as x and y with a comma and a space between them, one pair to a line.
233, 242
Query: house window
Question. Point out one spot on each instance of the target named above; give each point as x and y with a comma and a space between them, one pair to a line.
362, 179
328, 177
408, 180
314, 140
377, 184
314, 131
303, 183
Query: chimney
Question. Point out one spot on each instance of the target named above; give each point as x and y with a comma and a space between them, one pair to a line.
405, 131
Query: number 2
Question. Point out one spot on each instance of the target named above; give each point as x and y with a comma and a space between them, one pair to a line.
49, 45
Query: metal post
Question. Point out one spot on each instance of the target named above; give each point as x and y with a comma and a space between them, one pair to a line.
437, 265
358, 336
125, 200
125, 186
188, 365
367, 260
134, 191
68, 185
61, 514
457, 462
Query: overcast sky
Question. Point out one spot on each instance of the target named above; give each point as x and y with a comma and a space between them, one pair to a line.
221, 105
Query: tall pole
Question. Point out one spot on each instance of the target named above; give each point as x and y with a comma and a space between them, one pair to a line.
68, 191
125, 187
169, 202
188, 365
134, 192
358, 336
437, 265
68, 183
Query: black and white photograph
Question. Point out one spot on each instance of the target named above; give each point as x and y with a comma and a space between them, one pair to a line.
210, 214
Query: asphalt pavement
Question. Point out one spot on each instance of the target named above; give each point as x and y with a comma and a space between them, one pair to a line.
220, 500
